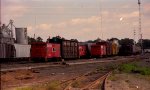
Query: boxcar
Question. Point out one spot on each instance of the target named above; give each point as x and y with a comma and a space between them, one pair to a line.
83, 51
129, 49
88, 48
108, 47
69, 48
22, 51
115, 49
125, 49
98, 50
45, 51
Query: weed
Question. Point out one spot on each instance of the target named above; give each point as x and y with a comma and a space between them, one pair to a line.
25, 88
53, 86
134, 68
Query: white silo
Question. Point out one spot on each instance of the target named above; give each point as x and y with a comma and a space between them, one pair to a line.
21, 36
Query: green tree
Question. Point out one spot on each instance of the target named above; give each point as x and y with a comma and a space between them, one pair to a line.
39, 39
126, 41
31, 40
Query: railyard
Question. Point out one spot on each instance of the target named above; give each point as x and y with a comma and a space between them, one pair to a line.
76, 75
74, 45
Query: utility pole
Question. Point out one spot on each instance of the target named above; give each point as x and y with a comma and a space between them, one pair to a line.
140, 29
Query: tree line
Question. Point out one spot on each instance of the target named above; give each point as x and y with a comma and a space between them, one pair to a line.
145, 42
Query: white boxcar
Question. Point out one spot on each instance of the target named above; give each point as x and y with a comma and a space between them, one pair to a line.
22, 51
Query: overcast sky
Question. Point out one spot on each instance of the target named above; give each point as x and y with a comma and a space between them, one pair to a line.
80, 19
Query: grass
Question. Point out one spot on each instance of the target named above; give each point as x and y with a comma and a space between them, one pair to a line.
134, 68
112, 78
53, 86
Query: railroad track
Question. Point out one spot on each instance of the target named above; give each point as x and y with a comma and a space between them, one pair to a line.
56, 64
94, 85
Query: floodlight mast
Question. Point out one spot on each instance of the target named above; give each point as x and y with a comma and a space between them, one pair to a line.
140, 29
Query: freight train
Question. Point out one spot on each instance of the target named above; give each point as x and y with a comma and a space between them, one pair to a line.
57, 47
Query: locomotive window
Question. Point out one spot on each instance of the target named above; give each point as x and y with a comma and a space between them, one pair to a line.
53, 49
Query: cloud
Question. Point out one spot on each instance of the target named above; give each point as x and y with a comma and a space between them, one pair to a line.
130, 15
66, 28
44, 26
90, 20
12, 9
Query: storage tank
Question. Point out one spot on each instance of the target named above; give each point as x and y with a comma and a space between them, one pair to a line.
21, 36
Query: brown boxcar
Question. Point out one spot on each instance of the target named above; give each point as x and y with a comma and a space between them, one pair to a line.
45, 51
69, 48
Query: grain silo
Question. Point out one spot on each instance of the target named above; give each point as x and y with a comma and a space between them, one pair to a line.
21, 36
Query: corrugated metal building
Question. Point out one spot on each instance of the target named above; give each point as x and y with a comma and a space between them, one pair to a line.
6, 42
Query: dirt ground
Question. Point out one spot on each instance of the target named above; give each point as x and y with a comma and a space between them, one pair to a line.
38, 76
